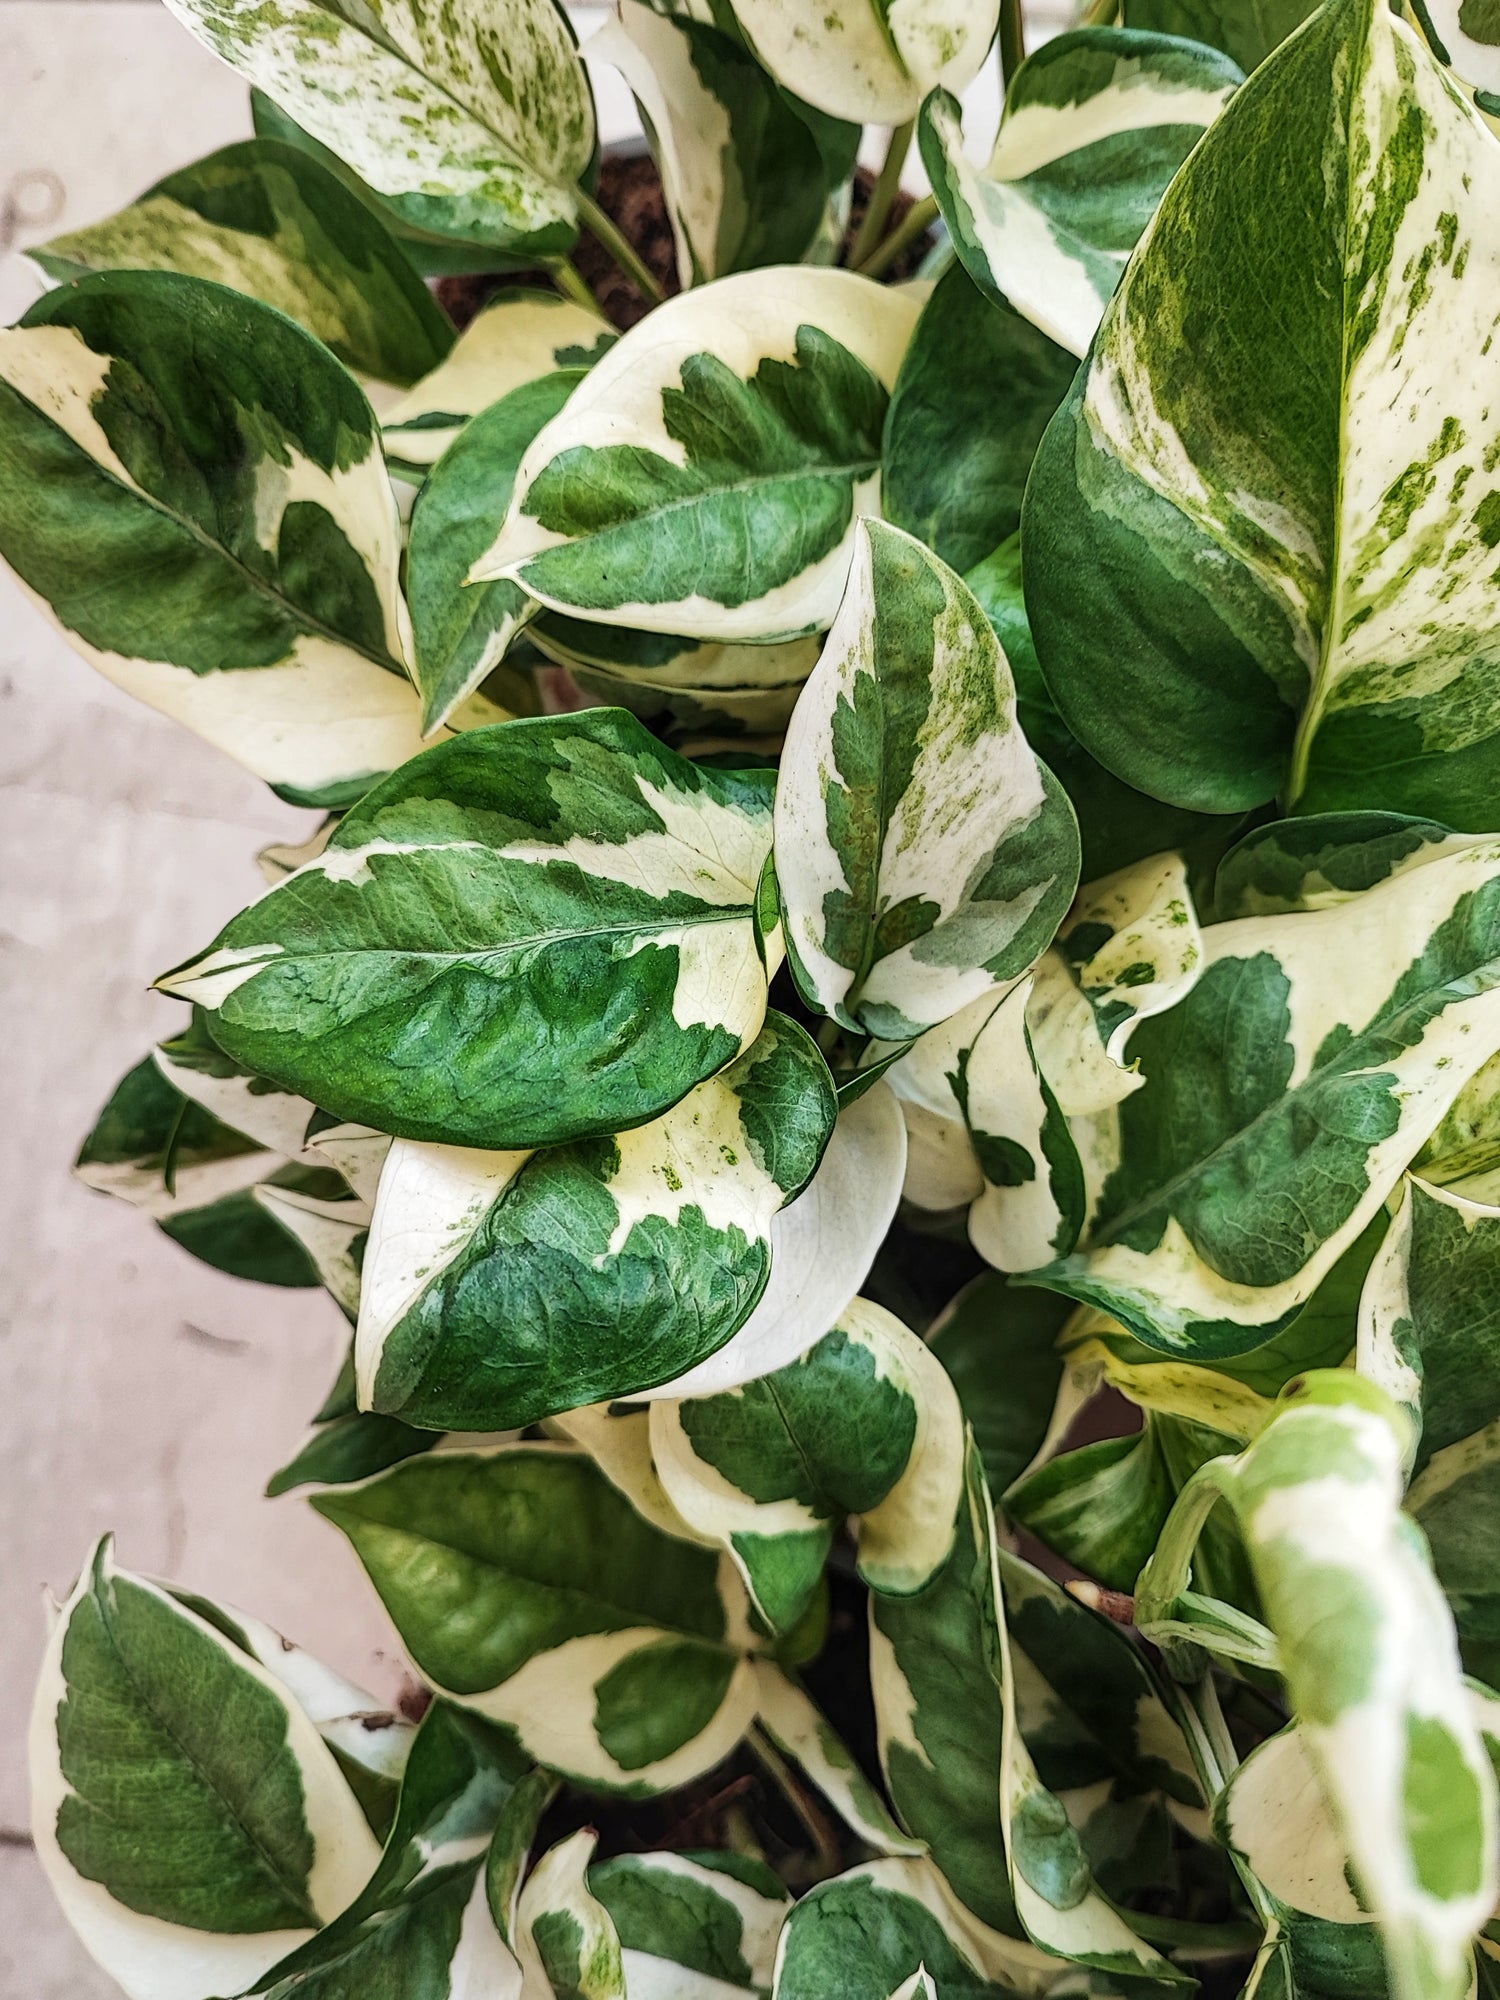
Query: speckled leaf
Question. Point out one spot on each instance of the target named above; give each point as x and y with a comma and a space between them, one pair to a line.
1368, 1655
461, 635
421, 1927
187, 1814
1309, 587
192, 487
474, 120
265, 219
705, 479
741, 171
1096, 124
866, 62
1282, 1099
519, 337
503, 1287
526, 1587
866, 1423
560, 909
924, 856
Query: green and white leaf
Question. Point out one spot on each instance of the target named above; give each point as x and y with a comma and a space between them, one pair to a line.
1464, 36
1275, 1815
1368, 1655
191, 486
1322, 859
924, 856
265, 219
799, 1731
742, 173
561, 906
701, 1929
1311, 538
459, 635
474, 122
1096, 123
525, 1587
866, 63
518, 338
1282, 1099
421, 1928
569, 1946
866, 1423
998, 1344
822, 1247
658, 1239
686, 685
187, 1815
333, 1233
706, 477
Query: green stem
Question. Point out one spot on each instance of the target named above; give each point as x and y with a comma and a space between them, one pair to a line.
828, 1034
1012, 43
887, 185
604, 232
917, 219
568, 282
1216, 1760
1165, 1577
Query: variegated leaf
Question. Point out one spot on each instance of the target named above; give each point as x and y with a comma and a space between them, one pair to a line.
518, 338
865, 1423
560, 910
267, 220
703, 1928
958, 1768
1282, 1099
474, 122
1368, 1655
187, 1814
1464, 36
421, 1927
685, 685
526, 1587
1322, 859
742, 173
786, 1715
999, 1346
501, 1288
705, 479
1310, 540
1428, 1336
192, 487
867, 63
974, 395
569, 1947
924, 856
1096, 123
822, 1247
459, 635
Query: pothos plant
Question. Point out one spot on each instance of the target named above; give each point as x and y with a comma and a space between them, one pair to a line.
894, 855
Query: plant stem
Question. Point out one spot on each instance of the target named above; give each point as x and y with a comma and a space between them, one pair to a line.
883, 193
919, 217
568, 282
604, 232
1012, 42
828, 1034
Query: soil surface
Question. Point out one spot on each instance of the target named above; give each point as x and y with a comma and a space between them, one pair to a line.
630, 193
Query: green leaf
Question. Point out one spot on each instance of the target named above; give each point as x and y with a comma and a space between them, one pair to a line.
974, 395
501, 1288
1096, 124
526, 1587
924, 856
742, 173
1246, 33
865, 1423
186, 1812
1308, 585
474, 122
520, 337
348, 1449
421, 1928
192, 486
265, 219
1100, 1507
461, 635
999, 1347
675, 1911
866, 63
705, 479
1281, 1100
562, 907
1368, 1655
